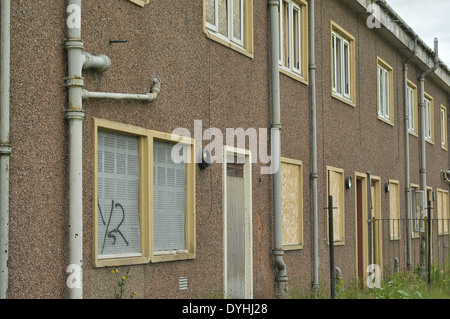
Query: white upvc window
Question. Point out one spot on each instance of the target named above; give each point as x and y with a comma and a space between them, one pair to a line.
428, 120
444, 143
225, 18
290, 19
383, 93
410, 101
341, 65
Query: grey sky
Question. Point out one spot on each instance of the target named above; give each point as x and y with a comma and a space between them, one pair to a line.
429, 19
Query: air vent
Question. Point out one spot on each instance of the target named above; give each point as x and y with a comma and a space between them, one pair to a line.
183, 283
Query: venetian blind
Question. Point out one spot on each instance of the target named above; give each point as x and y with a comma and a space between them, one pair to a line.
169, 199
118, 195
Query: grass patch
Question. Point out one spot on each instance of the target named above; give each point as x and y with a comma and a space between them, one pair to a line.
410, 285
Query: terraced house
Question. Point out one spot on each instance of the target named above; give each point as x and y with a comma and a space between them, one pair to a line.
198, 142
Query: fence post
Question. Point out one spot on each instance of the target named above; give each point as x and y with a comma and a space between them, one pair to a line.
331, 243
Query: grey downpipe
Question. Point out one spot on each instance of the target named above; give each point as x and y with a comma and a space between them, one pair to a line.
5, 147
423, 163
407, 158
314, 173
278, 251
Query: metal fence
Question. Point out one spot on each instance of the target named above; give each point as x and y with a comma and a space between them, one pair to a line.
402, 245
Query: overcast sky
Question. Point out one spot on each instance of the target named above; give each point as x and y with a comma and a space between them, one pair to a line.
428, 19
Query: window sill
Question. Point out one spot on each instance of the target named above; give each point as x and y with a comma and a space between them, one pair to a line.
429, 141
141, 3
382, 119
413, 133
292, 246
172, 256
343, 99
228, 44
294, 76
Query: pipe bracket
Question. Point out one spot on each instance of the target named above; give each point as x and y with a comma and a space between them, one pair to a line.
74, 81
5, 149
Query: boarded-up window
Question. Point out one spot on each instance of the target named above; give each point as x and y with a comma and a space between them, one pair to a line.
336, 189
118, 195
394, 210
169, 210
292, 203
442, 211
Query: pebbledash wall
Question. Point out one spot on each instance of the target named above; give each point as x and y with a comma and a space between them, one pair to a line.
225, 86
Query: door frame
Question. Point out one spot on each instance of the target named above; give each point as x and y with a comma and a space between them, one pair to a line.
364, 230
248, 284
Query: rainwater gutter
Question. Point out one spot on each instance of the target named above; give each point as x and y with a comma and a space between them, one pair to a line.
407, 164
77, 62
5, 147
278, 251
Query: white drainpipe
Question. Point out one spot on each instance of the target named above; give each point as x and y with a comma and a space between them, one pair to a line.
77, 62
5, 147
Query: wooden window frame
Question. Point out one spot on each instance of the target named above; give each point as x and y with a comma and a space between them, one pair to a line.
340, 171
299, 244
246, 45
444, 136
146, 138
429, 118
385, 107
443, 216
394, 215
414, 119
301, 73
348, 40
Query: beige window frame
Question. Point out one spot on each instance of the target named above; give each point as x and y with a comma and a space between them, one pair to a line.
293, 48
141, 3
429, 118
146, 138
413, 128
292, 203
228, 38
394, 210
335, 188
385, 92
443, 211
444, 141
346, 91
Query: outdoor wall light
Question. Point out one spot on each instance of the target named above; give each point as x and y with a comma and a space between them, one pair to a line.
206, 160
387, 187
348, 182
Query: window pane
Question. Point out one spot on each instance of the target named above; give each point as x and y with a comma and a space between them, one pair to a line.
333, 43
118, 194
339, 65
442, 127
223, 17
296, 38
386, 94
346, 69
380, 91
169, 199
285, 36
237, 19
210, 12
